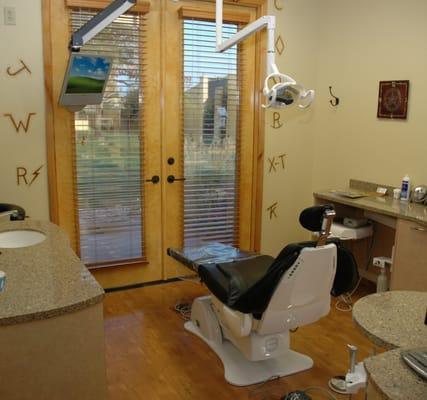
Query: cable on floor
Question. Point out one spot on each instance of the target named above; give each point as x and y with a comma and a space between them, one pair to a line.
183, 309
347, 299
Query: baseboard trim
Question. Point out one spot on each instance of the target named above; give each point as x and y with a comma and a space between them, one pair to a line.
145, 284
140, 285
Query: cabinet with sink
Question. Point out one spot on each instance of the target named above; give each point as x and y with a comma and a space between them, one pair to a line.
51, 317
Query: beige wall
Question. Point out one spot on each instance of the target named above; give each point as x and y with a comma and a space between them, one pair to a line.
20, 95
354, 46
298, 24
361, 43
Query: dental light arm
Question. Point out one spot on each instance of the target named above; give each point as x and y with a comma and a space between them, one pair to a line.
284, 93
99, 22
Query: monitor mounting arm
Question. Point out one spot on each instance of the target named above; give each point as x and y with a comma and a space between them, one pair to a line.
281, 94
99, 22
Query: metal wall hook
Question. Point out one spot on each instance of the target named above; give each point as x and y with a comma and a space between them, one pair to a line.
336, 100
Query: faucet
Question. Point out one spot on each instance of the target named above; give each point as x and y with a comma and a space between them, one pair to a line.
10, 213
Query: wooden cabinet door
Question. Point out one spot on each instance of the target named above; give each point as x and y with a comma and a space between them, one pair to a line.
410, 259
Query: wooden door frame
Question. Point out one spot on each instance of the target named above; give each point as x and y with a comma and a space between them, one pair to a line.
55, 14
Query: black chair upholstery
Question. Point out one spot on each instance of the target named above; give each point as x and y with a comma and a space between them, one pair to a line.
311, 218
247, 286
234, 283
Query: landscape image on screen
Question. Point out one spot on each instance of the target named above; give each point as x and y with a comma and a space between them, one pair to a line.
87, 74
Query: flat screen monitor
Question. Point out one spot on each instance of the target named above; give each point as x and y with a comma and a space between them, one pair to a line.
85, 79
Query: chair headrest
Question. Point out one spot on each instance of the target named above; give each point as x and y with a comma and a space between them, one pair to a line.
312, 218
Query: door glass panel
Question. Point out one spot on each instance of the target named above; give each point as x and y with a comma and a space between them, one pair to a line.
107, 160
211, 135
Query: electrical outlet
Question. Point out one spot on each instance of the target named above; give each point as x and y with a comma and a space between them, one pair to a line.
9, 15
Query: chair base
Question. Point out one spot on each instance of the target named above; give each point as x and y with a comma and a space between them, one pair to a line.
239, 371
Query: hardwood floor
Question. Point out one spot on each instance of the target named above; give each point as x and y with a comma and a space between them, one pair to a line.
150, 355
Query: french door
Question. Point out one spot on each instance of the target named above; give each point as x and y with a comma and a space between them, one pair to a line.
208, 131
191, 170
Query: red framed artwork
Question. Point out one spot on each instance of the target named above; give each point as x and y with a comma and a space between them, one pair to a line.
393, 99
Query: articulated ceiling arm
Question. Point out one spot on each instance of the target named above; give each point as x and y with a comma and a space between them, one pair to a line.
284, 93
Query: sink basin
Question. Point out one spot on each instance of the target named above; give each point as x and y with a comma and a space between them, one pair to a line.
20, 238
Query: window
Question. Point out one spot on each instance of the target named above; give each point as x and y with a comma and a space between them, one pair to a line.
211, 135
108, 148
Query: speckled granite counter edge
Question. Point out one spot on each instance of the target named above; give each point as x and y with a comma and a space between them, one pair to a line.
373, 338
94, 292
37, 316
386, 391
378, 390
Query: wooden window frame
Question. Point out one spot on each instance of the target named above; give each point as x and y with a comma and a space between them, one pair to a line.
209, 15
142, 6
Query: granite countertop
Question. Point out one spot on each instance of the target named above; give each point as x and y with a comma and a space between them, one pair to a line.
393, 319
393, 379
44, 280
384, 205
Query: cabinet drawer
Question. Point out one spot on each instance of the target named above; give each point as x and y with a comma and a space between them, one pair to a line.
410, 257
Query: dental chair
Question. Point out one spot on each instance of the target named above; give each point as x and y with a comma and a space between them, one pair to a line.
255, 303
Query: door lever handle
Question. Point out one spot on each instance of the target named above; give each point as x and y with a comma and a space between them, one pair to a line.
172, 179
154, 179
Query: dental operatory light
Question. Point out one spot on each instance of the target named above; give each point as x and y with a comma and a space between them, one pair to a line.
284, 91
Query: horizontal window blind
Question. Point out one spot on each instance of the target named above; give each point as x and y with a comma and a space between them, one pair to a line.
108, 149
211, 135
